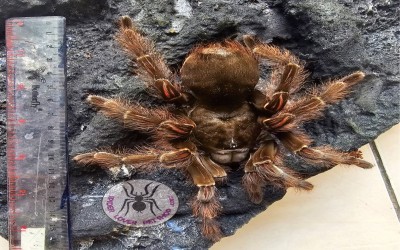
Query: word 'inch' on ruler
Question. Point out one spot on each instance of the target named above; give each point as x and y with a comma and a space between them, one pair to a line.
36, 133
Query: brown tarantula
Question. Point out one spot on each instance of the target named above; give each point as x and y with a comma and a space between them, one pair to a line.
220, 118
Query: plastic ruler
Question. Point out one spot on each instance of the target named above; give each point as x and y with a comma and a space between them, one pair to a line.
36, 133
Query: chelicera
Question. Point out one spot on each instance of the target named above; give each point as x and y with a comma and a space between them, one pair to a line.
219, 118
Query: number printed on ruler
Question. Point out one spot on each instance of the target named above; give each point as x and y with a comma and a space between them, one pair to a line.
36, 148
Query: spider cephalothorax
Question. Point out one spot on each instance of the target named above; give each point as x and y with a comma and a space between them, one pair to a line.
220, 118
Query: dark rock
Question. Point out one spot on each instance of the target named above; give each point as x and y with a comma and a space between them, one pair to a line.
333, 37
344, 37
75, 10
3, 165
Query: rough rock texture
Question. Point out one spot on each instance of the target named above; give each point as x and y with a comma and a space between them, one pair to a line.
334, 37
3, 166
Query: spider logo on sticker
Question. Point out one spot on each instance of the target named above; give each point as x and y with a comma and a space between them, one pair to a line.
140, 203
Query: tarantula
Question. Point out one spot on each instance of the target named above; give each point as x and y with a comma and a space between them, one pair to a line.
217, 118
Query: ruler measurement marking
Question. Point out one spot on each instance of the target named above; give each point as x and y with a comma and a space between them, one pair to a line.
45, 184
37, 173
12, 178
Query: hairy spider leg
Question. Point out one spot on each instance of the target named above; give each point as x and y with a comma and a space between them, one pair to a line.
108, 160
202, 170
310, 106
278, 58
151, 65
265, 167
324, 155
281, 83
277, 101
206, 205
161, 122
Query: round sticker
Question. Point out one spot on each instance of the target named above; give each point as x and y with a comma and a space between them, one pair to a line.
140, 203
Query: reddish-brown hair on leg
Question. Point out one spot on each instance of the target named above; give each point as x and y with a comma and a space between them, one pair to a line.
264, 167
164, 125
311, 106
207, 207
325, 156
151, 65
254, 183
330, 157
278, 57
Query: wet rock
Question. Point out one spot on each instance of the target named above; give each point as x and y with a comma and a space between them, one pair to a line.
333, 37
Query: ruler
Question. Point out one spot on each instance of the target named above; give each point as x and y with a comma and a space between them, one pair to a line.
36, 133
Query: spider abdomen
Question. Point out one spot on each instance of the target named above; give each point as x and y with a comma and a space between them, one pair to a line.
226, 134
220, 73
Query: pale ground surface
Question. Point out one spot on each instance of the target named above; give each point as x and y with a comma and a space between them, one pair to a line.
349, 208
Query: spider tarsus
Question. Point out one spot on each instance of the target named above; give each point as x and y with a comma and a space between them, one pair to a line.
211, 230
125, 22
207, 207
96, 100
249, 41
361, 163
283, 176
329, 157
353, 78
356, 153
253, 183
302, 184
102, 159
84, 159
